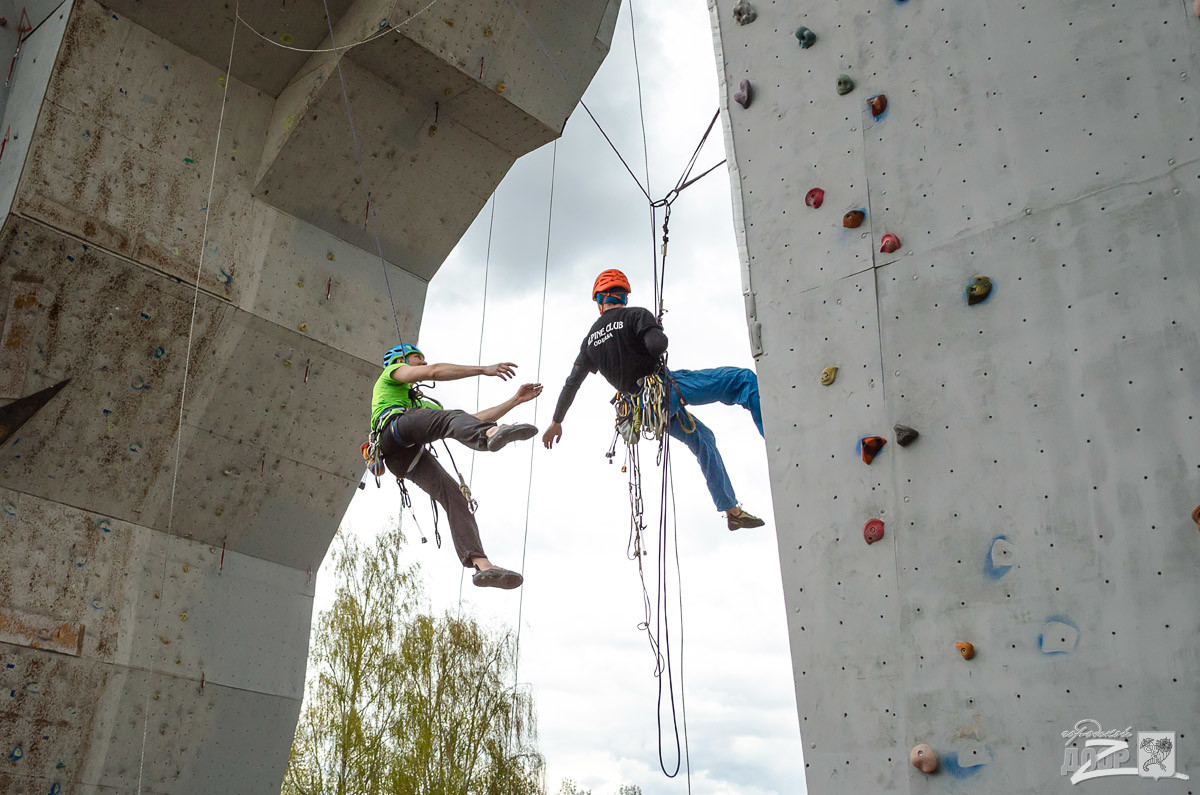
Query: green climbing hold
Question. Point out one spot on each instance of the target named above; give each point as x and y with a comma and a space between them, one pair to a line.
978, 290
806, 37
844, 85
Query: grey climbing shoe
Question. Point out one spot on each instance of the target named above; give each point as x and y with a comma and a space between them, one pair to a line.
743, 519
496, 577
510, 433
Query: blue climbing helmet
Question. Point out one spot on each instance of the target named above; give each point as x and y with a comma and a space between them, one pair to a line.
401, 351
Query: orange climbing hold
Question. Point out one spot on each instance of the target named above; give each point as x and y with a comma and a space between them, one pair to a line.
1196, 512
872, 531
889, 244
923, 758
871, 445
967, 650
853, 219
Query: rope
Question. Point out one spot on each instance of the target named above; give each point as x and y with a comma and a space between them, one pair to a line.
487, 266
538, 379
578, 97
383, 31
362, 171
187, 359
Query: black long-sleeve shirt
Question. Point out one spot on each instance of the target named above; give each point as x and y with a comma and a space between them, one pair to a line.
624, 345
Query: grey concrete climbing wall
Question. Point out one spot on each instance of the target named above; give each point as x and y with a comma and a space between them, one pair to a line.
158, 645
1044, 513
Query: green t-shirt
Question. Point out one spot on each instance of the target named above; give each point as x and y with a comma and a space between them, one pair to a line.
388, 392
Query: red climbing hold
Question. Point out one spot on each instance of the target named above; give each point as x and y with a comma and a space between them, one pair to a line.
890, 243
871, 445
923, 758
814, 198
872, 531
743, 96
1196, 513
853, 219
877, 104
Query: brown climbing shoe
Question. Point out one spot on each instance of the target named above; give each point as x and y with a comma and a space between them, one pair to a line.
496, 577
510, 433
743, 519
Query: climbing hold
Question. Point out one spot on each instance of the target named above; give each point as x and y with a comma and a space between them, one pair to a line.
183, 616
806, 37
877, 104
814, 198
303, 327
829, 375
871, 445
487, 32
923, 758
1196, 516
844, 85
449, 22
329, 256
501, 88
448, 91
978, 290
967, 650
872, 531
889, 244
905, 435
853, 219
432, 130
744, 95
744, 13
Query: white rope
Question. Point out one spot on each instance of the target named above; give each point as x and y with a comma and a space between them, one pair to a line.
383, 31
212, 180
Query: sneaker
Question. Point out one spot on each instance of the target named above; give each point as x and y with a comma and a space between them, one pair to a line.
496, 577
743, 519
510, 433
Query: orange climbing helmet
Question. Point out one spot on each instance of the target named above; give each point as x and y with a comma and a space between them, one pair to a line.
613, 285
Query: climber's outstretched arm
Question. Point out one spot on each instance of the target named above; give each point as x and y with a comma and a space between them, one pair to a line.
411, 374
579, 371
526, 393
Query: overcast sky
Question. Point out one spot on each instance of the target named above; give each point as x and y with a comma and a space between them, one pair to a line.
590, 668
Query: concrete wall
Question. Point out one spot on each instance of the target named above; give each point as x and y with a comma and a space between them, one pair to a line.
125, 621
1043, 514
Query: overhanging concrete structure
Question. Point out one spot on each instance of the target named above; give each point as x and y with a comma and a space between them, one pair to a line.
126, 624
1044, 514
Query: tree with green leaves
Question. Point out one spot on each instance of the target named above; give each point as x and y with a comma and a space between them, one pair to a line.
400, 701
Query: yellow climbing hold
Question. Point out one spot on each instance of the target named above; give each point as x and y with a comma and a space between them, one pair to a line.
501, 88
329, 256
432, 130
448, 91
487, 32
449, 22
303, 327
828, 375
182, 616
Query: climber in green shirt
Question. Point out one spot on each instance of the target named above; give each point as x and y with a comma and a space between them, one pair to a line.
406, 422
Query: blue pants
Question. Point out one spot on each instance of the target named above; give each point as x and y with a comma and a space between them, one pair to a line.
733, 386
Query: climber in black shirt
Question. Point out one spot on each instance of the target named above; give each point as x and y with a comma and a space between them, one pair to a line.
625, 345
